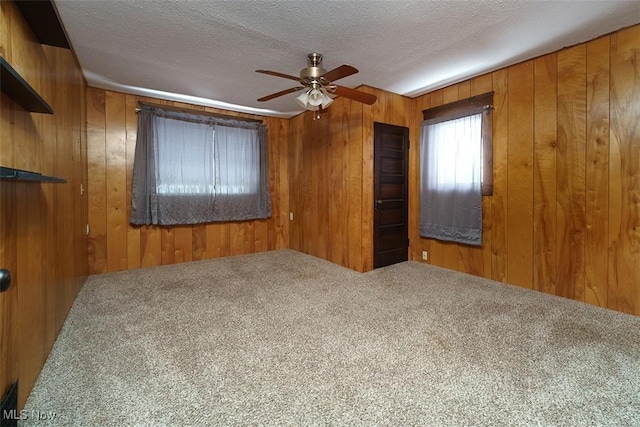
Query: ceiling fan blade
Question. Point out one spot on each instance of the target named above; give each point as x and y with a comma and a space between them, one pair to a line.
282, 92
339, 73
277, 74
356, 95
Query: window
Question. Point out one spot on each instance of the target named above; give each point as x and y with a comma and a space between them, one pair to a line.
456, 169
194, 145
192, 168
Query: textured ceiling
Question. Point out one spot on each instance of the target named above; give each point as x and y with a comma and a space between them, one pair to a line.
206, 52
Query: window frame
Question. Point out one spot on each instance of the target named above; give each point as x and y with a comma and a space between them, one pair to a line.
467, 107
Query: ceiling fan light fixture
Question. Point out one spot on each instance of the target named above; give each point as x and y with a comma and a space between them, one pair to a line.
326, 100
303, 100
313, 99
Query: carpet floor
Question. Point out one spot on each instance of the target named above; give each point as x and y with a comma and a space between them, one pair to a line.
284, 338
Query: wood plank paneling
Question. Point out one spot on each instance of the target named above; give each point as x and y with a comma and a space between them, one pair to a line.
354, 185
564, 216
42, 226
54, 227
624, 173
295, 162
281, 186
8, 299
308, 190
597, 172
133, 233
499, 200
183, 243
337, 251
32, 317
571, 152
69, 205
117, 245
212, 240
520, 175
116, 180
249, 237
199, 242
274, 233
96, 187
236, 238
150, 245
167, 245
480, 258
5, 30
312, 240
320, 148
464, 89
416, 244
544, 174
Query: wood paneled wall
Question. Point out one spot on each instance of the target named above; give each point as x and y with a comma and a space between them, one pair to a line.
331, 176
116, 245
42, 226
325, 167
565, 214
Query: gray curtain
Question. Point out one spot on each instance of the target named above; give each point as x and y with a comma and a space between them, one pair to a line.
450, 179
191, 169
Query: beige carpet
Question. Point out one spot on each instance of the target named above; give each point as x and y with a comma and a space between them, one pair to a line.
283, 338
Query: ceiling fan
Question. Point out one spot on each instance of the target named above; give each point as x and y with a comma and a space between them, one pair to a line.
318, 84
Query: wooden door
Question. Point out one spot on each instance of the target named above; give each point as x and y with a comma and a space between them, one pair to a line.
390, 230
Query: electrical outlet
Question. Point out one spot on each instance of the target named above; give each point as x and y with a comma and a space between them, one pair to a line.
290, 216
425, 256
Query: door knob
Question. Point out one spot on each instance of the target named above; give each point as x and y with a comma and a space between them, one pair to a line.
5, 279
379, 201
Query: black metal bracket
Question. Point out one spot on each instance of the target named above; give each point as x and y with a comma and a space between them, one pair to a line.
12, 174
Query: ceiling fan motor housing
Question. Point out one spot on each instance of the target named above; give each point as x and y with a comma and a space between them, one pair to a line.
314, 69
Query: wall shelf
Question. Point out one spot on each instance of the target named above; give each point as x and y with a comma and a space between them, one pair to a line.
42, 17
15, 87
11, 174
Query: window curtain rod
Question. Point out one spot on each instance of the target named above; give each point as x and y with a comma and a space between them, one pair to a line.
194, 111
480, 102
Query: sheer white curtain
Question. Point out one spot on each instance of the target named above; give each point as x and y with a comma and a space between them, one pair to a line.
241, 173
235, 148
450, 181
191, 169
184, 161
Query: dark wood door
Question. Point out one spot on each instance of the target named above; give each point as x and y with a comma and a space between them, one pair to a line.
390, 229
